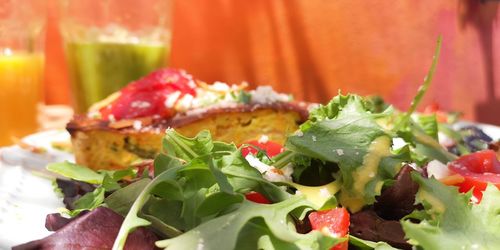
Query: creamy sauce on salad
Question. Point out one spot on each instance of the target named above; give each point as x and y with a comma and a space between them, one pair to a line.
379, 148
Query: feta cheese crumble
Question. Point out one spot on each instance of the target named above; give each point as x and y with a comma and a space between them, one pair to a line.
270, 173
263, 139
266, 95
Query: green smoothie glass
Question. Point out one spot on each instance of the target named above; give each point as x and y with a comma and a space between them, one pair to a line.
111, 43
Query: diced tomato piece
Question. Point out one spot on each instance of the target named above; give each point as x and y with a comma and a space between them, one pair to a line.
257, 198
478, 169
434, 108
334, 222
271, 148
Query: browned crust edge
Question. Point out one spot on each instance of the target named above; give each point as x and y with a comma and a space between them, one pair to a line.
84, 123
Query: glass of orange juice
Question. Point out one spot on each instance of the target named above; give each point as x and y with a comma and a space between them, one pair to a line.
21, 67
111, 43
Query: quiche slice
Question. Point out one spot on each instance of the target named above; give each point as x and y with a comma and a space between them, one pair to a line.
129, 125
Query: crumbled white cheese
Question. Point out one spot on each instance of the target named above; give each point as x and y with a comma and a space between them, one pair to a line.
473, 199
299, 133
191, 83
111, 118
172, 99
266, 95
137, 124
273, 176
140, 104
313, 138
444, 140
288, 170
263, 139
398, 143
220, 86
438, 170
270, 173
184, 103
254, 162
339, 151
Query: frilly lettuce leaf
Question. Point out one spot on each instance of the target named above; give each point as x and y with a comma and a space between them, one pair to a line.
450, 221
346, 132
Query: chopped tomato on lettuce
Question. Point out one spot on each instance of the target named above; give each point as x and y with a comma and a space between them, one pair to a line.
271, 148
477, 169
333, 222
257, 198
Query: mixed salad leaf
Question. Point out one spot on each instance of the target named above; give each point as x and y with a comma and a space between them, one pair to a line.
356, 157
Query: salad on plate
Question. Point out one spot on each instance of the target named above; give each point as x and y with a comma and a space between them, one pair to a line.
358, 174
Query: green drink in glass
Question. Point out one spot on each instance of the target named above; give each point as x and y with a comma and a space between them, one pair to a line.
111, 43
98, 69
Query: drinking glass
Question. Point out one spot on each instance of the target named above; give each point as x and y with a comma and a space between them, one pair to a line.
110, 43
21, 66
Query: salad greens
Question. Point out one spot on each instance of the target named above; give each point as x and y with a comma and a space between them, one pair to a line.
450, 221
344, 155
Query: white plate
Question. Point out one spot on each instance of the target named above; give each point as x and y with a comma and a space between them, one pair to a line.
26, 192
26, 195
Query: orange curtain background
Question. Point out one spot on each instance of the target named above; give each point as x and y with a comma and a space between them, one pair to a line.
313, 48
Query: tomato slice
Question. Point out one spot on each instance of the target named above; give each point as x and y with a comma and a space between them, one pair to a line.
271, 148
478, 169
334, 222
148, 96
257, 198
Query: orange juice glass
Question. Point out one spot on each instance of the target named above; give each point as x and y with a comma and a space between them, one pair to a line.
21, 67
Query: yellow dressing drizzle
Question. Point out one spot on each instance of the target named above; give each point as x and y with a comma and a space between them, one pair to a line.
318, 195
353, 199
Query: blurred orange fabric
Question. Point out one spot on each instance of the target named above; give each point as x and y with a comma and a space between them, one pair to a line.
314, 48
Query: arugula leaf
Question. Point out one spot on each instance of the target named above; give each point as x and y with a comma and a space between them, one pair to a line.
162, 162
425, 145
274, 222
422, 89
76, 172
89, 201
450, 221
187, 148
108, 179
132, 221
121, 200
210, 184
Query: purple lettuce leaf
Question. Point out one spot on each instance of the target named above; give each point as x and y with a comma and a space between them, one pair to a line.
96, 229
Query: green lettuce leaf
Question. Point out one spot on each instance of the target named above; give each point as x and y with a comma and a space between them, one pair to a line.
450, 221
366, 244
197, 180
76, 172
347, 133
263, 226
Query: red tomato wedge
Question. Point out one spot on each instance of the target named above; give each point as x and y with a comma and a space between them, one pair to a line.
257, 198
334, 222
271, 148
478, 169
